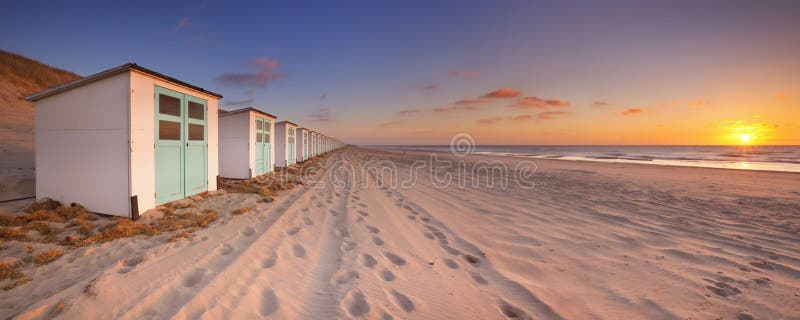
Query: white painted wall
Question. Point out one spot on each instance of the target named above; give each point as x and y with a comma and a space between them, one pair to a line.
282, 143
81, 146
236, 150
301, 143
142, 114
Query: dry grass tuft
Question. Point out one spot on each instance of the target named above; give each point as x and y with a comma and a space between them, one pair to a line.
45, 257
242, 210
10, 270
13, 233
58, 308
180, 235
43, 204
17, 283
43, 227
89, 289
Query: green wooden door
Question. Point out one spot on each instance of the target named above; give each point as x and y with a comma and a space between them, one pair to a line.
169, 145
267, 148
262, 158
181, 136
291, 145
196, 166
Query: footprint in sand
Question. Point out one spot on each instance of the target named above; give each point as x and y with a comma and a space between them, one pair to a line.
269, 261
368, 260
308, 221
248, 231
349, 245
426, 220
269, 302
377, 241
298, 251
333, 213
402, 301
373, 229
429, 236
293, 231
512, 312
362, 205
472, 259
450, 263
356, 304
194, 277
363, 213
226, 250
341, 232
304, 209
411, 217
395, 259
344, 276
478, 278
451, 250
387, 275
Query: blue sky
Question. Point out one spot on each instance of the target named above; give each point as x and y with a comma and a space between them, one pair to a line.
363, 62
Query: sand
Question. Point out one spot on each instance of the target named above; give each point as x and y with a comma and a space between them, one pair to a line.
585, 241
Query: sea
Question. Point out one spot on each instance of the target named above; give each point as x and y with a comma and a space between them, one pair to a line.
770, 158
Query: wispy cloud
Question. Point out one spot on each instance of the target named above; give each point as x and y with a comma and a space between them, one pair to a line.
698, 103
460, 107
539, 103
266, 71
781, 96
473, 101
237, 103
323, 96
489, 120
550, 115
601, 104
632, 111
466, 74
502, 93
321, 115
522, 117
431, 87
183, 23
409, 111
390, 124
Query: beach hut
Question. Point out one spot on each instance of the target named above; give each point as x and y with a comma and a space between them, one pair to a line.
125, 140
285, 144
312, 136
302, 144
246, 147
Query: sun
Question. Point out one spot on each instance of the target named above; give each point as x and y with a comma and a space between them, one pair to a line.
745, 138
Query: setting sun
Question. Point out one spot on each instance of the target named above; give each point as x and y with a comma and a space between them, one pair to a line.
744, 138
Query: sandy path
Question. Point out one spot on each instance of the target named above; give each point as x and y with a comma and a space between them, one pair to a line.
601, 241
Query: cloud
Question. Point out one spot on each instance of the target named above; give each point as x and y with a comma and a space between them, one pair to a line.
391, 124
489, 120
632, 111
601, 104
321, 115
551, 115
467, 107
467, 74
502, 93
183, 23
522, 117
472, 101
781, 96
431, 87
266, 72
323, 96
698, 103
539, 103
409, 111
237, 103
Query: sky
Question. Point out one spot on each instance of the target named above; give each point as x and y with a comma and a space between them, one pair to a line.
419, 72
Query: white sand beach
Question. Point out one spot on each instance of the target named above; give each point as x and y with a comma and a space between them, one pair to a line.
586, 240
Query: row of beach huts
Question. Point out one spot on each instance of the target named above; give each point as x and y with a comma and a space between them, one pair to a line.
128, 139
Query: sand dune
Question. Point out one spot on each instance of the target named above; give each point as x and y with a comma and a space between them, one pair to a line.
593, 240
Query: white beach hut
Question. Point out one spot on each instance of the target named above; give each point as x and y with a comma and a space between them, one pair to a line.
302, 144
246, 146
285, 144
312, 137
125, 140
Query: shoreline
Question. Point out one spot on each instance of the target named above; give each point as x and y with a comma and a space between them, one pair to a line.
707, 164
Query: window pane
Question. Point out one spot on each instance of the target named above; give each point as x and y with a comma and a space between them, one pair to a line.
196, 132
267, 126
258, 125
259, 137
169, 105
266, 137
196, 111
169, 130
